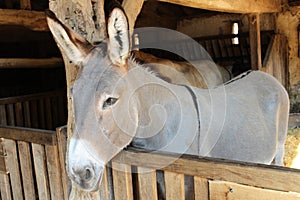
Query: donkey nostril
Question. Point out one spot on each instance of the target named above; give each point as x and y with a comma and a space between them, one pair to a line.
88, 174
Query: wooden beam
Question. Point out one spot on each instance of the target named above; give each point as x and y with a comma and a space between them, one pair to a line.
33, 20
241, 6
21, 63
37, 136
258, 175
255, 43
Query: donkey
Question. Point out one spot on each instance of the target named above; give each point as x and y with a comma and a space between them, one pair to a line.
117, 102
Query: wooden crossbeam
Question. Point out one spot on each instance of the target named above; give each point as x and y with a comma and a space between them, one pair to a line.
239, 6
21, 63
33, 20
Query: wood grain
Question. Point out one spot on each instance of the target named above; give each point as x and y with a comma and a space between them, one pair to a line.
147, 188
174, 183
122, 181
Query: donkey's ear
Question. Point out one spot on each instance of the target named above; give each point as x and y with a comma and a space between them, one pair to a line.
118, 37
72, 44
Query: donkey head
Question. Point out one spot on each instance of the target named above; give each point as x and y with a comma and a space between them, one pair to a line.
96, 137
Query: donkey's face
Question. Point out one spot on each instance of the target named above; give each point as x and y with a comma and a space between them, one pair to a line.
98, 98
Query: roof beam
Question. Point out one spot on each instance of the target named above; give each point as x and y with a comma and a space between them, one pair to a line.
238, 6
33, 20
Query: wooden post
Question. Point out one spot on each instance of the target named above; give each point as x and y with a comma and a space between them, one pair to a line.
255, 43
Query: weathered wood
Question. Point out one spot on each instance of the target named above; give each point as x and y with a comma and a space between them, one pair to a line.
104, 190
48, 113
174, 184
255, 43
3, 169
26, 169
201, 188
29, 135
54, 172
220, 190
62, 150
242, 6
25, 4
13, 168
33, 20
4, 187
147, 189
122, 181
258, 175
40, 167
23, 63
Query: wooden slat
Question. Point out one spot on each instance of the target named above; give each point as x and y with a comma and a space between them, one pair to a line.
27, 118
201, 188
4, 187
24, 63
29, 135
25, 4
19, 114
245, 173
122, 181
174, 184
147, 189
54, 172
41, 113
104, 187
48, 113
255, 43
220, 190
10, 115
34, 114
242, 6
62, 149
33, 20
13, 168
40, 167
3, 115
26, 169
3, 158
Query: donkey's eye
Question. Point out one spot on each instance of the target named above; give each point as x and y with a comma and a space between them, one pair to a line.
109, 102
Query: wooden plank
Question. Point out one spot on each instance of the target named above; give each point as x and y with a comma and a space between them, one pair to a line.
41, 113
40, 167
26, 170
10, 115
122, 181
201, 188
27, 119
259, 175
3, 115
255, 43
28, 135
13, 168
5, 192
62, 149
174, 184
147, 188
25, 4
48, 113
30, 63
3, 158
19, 114
242, 6
34, 114
33, 20
220, 190
54, 172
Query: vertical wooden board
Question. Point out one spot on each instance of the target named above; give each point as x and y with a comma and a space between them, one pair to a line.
10, 115
215, 48
54, 172
41, 114
19, 114
40, 167
4, 187
221, 190
255, 41
27, 120
174, 183
48, 114
54, 111
147, 188
12, 164
26, 169
201, 188
62, 149
104, 190
3, 115
34, 114
122, 181
223, 49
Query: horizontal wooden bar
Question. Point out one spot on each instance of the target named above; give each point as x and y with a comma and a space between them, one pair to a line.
21, 63
30, 97
241, 6
34, 20
265, 176
37, 136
